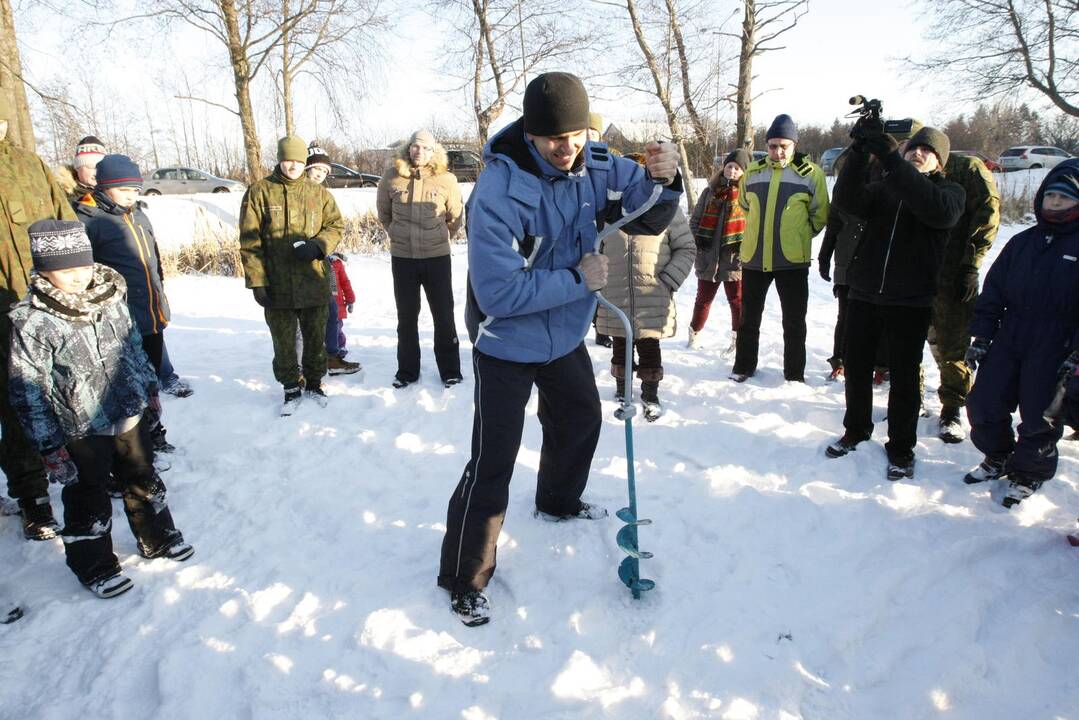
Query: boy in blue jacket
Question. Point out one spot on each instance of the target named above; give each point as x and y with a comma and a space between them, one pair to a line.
532, 225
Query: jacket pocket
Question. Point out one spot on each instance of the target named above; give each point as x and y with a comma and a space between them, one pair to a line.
794, 229
16, 212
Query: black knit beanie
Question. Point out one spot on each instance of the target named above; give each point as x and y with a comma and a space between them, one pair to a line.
555, 103
740, 156
782, 127
933, 139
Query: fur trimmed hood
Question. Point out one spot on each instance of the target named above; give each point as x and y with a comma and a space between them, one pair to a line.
438, 165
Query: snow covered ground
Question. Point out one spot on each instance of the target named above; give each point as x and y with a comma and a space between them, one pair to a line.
789, 585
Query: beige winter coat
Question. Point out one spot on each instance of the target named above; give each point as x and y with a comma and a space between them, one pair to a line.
420, 208
660, 264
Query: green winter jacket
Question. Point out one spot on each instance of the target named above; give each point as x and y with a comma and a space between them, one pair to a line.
973, 235
785, 207
275, 213
28, 192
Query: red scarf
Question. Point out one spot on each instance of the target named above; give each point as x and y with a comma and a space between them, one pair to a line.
722, 210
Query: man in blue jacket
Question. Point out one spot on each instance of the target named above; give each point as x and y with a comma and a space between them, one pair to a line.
532, 225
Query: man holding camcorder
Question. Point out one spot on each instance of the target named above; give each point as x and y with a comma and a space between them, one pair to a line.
893, 276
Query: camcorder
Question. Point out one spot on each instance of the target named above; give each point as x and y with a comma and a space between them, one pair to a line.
869, 114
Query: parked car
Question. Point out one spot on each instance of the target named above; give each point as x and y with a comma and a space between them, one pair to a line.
828, 158
345, 177
464, 164
1031, 157
181, 180
991, 165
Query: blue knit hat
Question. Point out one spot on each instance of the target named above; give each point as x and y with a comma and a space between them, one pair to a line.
118, 171
782, 127
59, 245
1066, 184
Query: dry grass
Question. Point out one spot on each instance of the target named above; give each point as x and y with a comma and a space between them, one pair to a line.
1018, 206
218, 253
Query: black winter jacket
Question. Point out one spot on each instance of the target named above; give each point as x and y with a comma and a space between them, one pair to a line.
908, 216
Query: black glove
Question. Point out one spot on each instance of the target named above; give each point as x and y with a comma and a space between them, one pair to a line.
823, 268
966, 285
262, 296
306, 250
881, 145
977, 350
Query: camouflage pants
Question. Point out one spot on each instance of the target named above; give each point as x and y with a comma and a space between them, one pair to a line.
949, 338
20, 461
312, 323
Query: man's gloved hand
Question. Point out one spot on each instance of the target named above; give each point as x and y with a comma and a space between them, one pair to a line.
823, 266
349, 308
262, 296
593, 270
881, 145
306, 250
966, 285
661, 160
976, 352
58, 466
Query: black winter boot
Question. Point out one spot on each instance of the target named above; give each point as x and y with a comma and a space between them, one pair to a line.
619, 373
38, 522
650, 378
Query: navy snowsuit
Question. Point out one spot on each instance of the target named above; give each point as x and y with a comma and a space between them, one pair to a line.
1029, 309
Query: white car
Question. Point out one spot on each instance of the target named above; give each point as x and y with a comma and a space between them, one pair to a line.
1031, 157
181, 180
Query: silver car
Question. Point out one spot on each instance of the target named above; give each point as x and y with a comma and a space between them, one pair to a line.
1031, 157
181, 180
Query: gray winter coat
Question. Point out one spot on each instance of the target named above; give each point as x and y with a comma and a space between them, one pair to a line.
77, 363
660, 264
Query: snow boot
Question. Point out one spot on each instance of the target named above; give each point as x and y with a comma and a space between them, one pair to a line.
315, 392
110, 587
38, 522
175, 549
900, 468
450, 382
604, 340
650, 378
842, 446
619, 374
293, 397
585, 511
951, 427
733, 347
739, 377
177, 387
1019, 488
693, 342
339, 366
157, 437
399, 382
471, 607
991, 468
837, 372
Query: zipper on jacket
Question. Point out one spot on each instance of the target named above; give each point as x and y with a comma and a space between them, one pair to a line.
888, 253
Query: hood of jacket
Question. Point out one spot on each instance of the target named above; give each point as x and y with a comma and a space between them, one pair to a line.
106, 288
1068, 165
438, 164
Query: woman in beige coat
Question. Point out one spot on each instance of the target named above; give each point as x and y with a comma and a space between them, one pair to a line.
645, 272
419, 205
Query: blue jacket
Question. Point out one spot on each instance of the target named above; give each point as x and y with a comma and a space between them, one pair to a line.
1030, 298
123, 239
529, 225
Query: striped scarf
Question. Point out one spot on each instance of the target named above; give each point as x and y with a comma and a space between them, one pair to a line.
723, 211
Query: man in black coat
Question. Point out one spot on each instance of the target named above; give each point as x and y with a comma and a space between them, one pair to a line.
893, 277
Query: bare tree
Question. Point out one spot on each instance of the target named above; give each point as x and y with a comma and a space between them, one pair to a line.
993, 48
251, 33
491, 58
763, 21
324, 45
20, 129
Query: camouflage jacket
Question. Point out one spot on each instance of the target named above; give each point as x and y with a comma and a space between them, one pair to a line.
28, 192
275, 213
77, 363
972, 237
